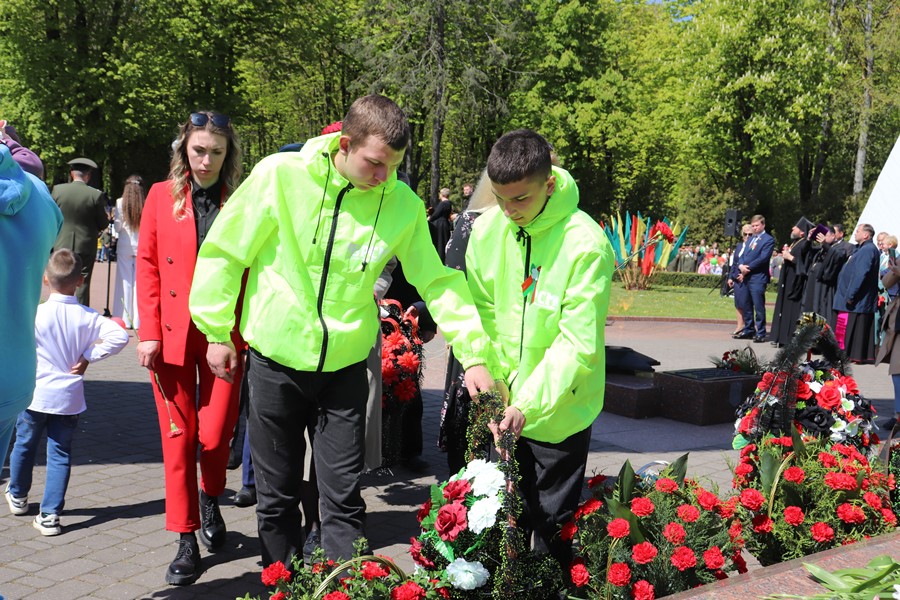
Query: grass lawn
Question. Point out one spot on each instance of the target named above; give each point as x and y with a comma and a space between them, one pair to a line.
665, 301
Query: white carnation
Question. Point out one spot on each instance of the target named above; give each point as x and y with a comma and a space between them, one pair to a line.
483, 514
465, 575
488, 482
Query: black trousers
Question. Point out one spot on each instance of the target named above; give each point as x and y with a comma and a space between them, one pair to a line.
552, 477
283, 402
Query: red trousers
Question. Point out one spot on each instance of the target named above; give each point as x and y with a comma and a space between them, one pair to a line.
205, 415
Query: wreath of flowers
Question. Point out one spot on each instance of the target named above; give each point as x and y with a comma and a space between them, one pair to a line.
402, 357
469, 540
816, 397
650, 536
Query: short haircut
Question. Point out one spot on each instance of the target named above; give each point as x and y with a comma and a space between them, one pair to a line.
758, 219
890, 240
379, 116
63, 269
869, 229
517, 155
838, 227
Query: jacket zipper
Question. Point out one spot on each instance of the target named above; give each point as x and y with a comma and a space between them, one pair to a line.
324, 280
527, 240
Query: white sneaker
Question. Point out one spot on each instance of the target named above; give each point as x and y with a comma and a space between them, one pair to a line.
47, 524
17, 506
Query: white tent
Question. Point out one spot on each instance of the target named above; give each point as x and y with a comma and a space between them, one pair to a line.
882, 211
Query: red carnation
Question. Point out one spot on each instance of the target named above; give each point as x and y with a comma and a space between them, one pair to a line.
795, 474
618, 528
675, 533
373, 570
406, 390
688, 513
872, 500
644, 553
424, 510
793, 515
589, 506
828, 460
684, 558
713, 558
451, 521
595, 481
642, 590
889, 517
848, 513
747, 450
762, 524
568, 531
752, 499
336, 596
408, 591
579, 573
663, 229
708, 500
666, 485
618, 574
743, 469
829, 397
457, 490
821, 532
274, 573
840, 481
642, 507
735, 530
278, 596
415, 551
726, 509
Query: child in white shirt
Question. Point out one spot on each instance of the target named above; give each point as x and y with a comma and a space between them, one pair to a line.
69, 337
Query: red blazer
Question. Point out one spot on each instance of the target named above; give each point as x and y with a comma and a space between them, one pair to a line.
167, 255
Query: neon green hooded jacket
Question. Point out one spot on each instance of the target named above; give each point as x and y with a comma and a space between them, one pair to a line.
542, 292
314, 247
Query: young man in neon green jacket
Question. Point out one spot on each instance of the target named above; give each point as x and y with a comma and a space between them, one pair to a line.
540, 270
314, 229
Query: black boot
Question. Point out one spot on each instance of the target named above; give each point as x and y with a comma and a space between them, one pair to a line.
185, 569
212, 526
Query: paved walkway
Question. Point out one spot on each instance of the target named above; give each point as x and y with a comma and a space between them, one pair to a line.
114, 545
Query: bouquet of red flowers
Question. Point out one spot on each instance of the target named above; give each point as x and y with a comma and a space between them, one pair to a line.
800, 495
739, 360
650, 536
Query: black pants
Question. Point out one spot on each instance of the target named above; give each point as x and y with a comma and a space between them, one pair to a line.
552, 476
283, 402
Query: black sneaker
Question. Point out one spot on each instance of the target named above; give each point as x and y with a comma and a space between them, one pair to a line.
212, 526
185, 569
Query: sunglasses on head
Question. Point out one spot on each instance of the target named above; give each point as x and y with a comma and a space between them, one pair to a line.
199, 119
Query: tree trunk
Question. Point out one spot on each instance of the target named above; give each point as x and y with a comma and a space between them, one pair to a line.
440, 110
866, 112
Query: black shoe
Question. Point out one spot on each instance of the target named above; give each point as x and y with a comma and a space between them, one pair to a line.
742, 336
185, 569
313, 541
245, 497
889, 424
233, 462
212, 526
759, 339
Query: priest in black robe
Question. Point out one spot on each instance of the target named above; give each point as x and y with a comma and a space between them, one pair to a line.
792, 283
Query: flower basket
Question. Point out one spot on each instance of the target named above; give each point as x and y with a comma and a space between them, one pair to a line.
650, 535
469, 540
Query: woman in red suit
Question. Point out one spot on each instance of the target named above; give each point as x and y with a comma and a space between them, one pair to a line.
205, 169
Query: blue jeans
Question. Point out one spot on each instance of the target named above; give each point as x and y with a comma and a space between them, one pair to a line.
60, 431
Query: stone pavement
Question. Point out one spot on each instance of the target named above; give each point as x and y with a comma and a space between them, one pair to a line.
114, 545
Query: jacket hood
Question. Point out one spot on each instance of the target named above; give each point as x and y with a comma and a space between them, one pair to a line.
561, 203
15, 186
319, 151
